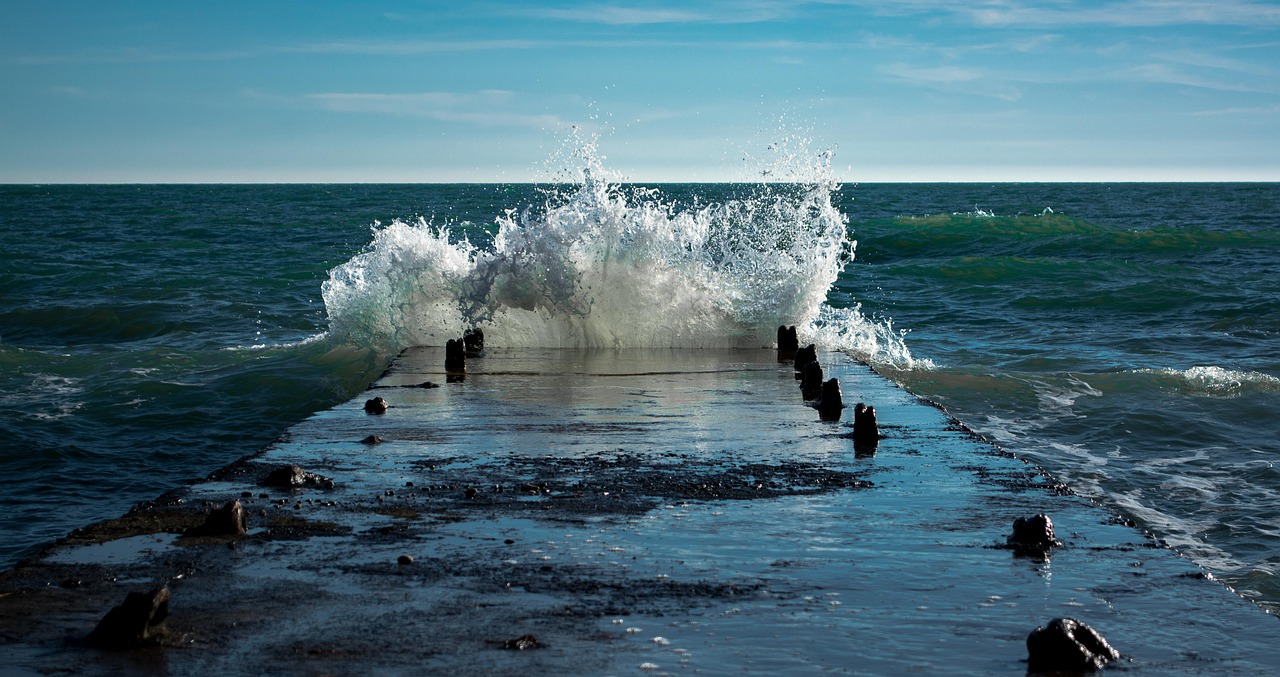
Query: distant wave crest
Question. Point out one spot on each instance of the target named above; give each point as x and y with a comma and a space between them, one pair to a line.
1216, 381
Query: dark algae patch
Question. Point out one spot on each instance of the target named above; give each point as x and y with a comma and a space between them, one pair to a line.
616, 483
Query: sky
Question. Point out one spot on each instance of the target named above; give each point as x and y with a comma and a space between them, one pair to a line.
909, 90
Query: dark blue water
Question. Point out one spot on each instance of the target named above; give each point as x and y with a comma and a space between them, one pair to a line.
1125, 337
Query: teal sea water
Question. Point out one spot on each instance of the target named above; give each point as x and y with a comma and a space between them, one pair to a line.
1125, 337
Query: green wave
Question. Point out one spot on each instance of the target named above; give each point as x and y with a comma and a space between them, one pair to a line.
907, 237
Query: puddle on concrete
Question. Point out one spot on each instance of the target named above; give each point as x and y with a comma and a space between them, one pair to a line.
128, 550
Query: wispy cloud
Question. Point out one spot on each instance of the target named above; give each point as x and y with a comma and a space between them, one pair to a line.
1202, 59
1148, 13
1022, 44
399, 48
410, 47
1165, 74
938, 75
1066, 13
615, 14
487, 108
131, 56
1255, 110
954, 79
618, 16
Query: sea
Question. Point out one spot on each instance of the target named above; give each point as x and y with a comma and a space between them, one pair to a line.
1124, 337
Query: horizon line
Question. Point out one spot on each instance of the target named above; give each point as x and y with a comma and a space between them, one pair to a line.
627, 181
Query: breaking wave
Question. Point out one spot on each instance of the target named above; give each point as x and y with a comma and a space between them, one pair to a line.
601, 264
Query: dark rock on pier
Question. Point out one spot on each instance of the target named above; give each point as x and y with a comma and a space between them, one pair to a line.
788, 343
804, 356
228, 520
522, 643
866, 431
811, 381
1066, 645
376, 406
455, 356
1033, 535
293, 477
831, 403
133, 621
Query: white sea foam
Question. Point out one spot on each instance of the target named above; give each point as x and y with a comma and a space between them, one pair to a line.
603, 265
1184, 534
1058, 397
60, 396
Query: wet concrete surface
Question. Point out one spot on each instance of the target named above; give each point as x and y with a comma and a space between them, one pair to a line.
636, 512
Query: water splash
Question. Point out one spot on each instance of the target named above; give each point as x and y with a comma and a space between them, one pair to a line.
605, 265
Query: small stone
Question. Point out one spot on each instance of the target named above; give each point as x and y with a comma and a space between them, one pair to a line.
376, 406
522, 643
292, 477
1067, 645
1033, 535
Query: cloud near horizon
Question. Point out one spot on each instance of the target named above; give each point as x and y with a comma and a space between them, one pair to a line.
488, 108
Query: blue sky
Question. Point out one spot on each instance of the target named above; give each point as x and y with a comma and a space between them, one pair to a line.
967, 90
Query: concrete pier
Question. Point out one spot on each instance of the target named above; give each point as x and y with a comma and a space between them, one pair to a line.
623, 512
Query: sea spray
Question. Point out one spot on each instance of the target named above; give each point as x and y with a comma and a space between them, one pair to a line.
604, 265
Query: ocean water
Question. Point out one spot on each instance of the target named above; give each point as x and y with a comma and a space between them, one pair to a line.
1125, 337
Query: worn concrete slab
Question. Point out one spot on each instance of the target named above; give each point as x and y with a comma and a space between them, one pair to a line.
637, 512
